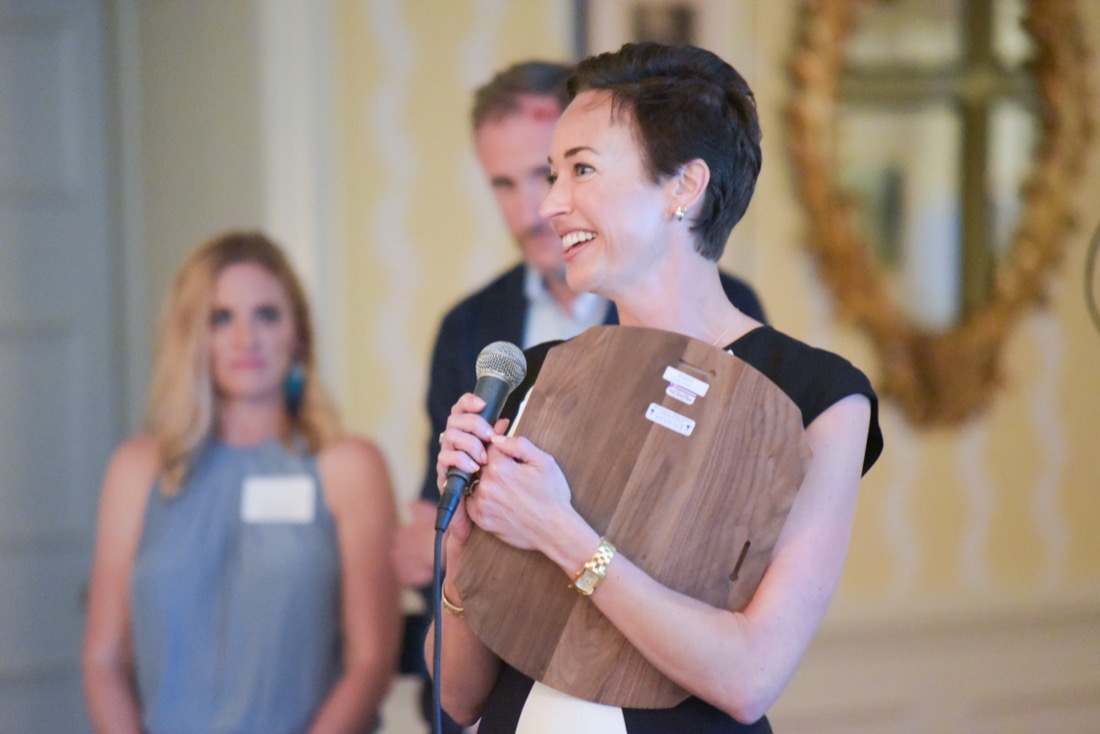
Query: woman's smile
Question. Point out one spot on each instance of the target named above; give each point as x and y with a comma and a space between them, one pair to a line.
574, 241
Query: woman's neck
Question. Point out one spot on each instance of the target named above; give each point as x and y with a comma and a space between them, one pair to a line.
688, 300
246, 423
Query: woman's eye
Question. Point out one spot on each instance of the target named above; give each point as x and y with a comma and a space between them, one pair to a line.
269, 314
551, 178
582, 169
219, 317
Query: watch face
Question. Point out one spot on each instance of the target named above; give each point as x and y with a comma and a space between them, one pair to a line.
586, 581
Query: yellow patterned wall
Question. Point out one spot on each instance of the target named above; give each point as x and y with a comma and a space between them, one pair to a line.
997, 515
418, 224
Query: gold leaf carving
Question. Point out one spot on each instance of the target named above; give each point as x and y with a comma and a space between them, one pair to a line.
940, 377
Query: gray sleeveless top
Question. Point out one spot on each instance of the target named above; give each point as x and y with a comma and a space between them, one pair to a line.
235, 619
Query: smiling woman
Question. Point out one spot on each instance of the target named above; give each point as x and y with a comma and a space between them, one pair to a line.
653, 163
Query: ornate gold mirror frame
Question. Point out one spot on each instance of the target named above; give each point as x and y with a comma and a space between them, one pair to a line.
943, 376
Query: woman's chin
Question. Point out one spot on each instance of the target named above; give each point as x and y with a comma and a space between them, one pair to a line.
578, 280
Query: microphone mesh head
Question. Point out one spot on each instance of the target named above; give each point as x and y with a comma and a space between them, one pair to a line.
503, 360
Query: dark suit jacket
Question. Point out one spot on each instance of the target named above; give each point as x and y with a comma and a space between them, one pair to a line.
498, 312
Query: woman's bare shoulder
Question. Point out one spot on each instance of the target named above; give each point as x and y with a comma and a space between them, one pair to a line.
352, 453
135, 464
141, 448
353, 465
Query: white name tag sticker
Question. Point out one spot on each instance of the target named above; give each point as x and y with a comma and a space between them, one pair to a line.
679, 393
275, 499
671, 420
685, 381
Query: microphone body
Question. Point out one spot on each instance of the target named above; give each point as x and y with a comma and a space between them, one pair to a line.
500, 368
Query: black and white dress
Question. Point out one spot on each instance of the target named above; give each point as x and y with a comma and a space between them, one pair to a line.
814, 379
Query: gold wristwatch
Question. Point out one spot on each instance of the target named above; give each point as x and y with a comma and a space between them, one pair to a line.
589, 577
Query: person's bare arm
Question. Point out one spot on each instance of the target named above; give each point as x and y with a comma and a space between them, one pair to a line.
414, 546
108, 654
358, 490
468, 669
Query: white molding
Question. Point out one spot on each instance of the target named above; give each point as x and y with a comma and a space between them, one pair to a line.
138, 311
297, 68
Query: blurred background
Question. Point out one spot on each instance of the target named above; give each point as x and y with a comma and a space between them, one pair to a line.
130, 130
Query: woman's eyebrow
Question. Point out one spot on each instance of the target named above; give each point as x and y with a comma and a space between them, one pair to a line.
572, 152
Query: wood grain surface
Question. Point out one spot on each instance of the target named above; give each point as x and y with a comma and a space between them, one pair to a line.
699, 513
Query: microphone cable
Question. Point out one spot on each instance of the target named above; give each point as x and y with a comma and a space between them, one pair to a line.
437, 647
500, 368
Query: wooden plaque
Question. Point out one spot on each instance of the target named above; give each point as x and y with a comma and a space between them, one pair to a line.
700, 513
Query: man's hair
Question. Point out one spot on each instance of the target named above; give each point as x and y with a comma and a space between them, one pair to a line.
500, 96
685, 103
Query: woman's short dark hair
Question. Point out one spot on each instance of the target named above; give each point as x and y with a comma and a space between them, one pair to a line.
686, 103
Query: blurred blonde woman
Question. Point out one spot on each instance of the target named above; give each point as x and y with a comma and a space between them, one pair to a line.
241, 580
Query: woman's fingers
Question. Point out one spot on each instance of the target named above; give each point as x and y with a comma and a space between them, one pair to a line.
518, 448
462, 443
520, 489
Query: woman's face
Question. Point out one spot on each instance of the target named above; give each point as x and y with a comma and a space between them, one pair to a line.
613, 220
252, 334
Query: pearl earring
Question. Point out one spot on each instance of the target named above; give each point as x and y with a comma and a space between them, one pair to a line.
679, 214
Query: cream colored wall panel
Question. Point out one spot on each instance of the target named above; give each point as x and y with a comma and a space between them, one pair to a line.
187, 80
299, 179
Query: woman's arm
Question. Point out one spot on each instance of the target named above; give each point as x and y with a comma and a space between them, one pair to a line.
468, 669
737, 661
412, 553
108, 654
358, 491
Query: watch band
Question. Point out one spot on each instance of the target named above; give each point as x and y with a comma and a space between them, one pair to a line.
589, 577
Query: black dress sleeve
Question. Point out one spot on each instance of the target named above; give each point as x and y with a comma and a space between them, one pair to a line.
813, 378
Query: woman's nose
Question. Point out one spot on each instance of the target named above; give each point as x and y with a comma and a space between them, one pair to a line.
243, 333
554, 203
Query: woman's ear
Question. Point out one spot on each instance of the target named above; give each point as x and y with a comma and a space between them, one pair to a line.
690, 183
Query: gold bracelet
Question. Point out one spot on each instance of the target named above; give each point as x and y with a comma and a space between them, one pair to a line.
589, 577
455, 610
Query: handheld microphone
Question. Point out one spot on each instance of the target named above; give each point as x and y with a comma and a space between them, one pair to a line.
500, 368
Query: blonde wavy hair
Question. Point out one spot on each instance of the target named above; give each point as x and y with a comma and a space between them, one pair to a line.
183, 403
